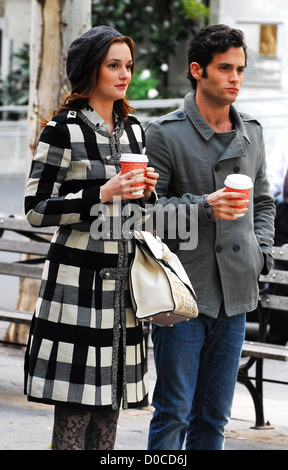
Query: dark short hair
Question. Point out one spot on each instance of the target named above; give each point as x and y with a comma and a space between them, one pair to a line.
211, 40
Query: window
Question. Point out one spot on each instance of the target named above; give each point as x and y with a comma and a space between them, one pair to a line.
268, 40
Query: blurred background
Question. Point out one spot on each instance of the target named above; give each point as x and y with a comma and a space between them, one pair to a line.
161, 29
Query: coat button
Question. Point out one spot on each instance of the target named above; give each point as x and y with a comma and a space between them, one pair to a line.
218, 249
236, 248
237, 169
107, 275
216, 168
180, 115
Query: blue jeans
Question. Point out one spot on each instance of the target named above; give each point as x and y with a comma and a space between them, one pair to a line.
196, 365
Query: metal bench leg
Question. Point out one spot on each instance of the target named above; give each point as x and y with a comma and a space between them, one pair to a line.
257, 400
256, 392
259, 407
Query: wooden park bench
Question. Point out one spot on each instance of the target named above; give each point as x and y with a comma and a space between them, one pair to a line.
31, 246
255, 352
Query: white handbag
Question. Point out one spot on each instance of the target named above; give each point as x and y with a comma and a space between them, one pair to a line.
160, 289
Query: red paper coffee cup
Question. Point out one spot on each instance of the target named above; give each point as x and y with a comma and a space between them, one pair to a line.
133, 161
240, 184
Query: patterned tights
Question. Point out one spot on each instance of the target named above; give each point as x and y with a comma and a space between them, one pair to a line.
84, 430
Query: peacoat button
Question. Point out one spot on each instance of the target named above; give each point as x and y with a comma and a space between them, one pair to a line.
216, 168
218, 249
237, 169
236, 248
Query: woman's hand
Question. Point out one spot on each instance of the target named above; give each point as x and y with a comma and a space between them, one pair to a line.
120, 186
151, 181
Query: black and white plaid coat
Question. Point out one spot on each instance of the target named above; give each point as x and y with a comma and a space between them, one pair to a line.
84, 333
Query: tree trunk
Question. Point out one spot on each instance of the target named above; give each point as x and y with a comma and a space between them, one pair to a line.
54, 25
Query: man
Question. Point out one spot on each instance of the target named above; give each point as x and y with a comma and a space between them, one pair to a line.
194, 149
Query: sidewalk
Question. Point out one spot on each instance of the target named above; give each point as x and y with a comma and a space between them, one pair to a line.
28, 426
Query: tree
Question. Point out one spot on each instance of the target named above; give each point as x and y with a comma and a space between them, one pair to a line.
158, 27
54, 25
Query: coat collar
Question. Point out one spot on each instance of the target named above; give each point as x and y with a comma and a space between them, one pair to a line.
94, 117
202, 126
97, 121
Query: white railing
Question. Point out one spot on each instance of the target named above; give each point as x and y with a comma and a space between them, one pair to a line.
138, 104
141, 105
144, 106
271, 111
14, 108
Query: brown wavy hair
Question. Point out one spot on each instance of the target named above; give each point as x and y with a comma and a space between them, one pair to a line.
81, 92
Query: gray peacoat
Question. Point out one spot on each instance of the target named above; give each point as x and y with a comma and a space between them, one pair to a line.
193, 161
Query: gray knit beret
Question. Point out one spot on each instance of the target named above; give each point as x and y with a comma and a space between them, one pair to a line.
83, 49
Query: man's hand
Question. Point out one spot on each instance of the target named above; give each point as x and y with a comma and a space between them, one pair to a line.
224, 204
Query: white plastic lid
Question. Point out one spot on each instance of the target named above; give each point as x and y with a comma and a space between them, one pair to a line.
237, 181
133, 157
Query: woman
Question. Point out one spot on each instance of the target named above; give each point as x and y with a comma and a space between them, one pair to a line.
86, 351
